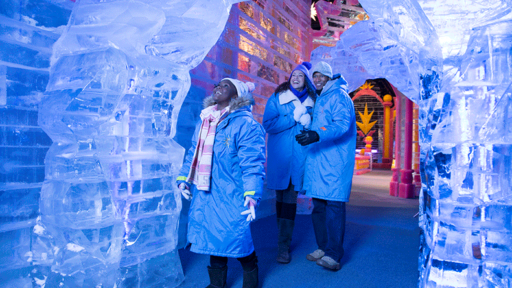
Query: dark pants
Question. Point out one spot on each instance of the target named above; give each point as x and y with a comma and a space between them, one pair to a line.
248, 262
286, 203
286, 208
329, 225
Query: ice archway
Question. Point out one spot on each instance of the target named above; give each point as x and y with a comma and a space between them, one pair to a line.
452, 58
118, 76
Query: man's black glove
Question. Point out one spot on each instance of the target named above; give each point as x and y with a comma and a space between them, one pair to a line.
307, 137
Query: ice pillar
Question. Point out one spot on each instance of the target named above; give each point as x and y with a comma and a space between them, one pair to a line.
467, 169
395, 179
109, 205
387, 128
406, 188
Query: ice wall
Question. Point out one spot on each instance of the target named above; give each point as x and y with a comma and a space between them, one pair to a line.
119, 72
28, 29
453, 58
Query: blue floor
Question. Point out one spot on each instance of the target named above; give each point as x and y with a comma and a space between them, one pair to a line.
381, 246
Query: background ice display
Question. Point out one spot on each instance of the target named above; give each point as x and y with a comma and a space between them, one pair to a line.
119, 72
458, 70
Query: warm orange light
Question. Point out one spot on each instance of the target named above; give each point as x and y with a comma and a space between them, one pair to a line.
313, 12
366, 125
365, 86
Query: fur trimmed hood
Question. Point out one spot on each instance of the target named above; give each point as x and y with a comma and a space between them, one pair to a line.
235, 104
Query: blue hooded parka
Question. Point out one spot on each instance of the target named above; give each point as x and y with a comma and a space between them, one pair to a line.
286, 157
215, 226
330, 162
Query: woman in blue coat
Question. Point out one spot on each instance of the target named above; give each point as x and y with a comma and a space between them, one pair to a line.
226, 166
330, 163
287, 112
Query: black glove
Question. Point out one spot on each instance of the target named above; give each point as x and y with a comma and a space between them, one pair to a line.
307, 137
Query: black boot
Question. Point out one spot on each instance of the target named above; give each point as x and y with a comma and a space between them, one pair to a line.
250, 274
217, 277
284, 239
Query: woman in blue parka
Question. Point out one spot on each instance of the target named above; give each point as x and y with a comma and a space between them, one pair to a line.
226, 166
330, 163
288, 111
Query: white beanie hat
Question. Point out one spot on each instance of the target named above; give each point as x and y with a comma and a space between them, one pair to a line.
323, 68
242, 89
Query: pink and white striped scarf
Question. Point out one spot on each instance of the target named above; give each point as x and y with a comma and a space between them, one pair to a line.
201, 166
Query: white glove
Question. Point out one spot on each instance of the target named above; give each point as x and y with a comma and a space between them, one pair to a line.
251, 213
305, 120
299, 111
185, 191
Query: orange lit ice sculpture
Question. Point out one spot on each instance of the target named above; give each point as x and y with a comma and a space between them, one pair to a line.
365, 127
368, 140
363, 161
388, 102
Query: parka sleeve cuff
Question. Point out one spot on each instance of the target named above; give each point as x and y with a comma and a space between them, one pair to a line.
322, 133
181, 178
250, 193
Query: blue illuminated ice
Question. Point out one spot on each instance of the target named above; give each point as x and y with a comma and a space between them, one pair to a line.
453, 58
109, 207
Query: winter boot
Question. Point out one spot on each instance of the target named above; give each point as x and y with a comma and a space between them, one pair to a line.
218, 277
285, 227
251, 274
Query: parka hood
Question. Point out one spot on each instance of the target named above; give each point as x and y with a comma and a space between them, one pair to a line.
337, 81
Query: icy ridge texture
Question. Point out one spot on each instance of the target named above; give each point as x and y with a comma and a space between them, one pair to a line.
453, 59
109, 207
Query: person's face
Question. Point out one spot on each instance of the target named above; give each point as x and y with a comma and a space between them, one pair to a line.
224, 92
297, 80
319, 80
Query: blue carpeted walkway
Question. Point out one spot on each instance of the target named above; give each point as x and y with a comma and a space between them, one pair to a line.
381, 245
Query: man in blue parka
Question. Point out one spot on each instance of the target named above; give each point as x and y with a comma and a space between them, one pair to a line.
330, 163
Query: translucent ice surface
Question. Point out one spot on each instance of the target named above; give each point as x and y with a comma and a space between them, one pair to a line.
118, 76
453, 58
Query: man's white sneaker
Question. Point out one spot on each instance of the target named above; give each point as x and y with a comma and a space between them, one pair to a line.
315, 256
328, 263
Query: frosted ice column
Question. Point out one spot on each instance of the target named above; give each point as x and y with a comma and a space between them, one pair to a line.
465, 117
109, 205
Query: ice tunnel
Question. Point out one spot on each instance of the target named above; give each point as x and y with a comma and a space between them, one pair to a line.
89, 200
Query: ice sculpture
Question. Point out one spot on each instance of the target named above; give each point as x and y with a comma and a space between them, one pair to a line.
119, 74
458, 70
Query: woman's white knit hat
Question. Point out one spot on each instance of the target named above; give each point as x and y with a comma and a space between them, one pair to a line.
242, 89
323, 68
